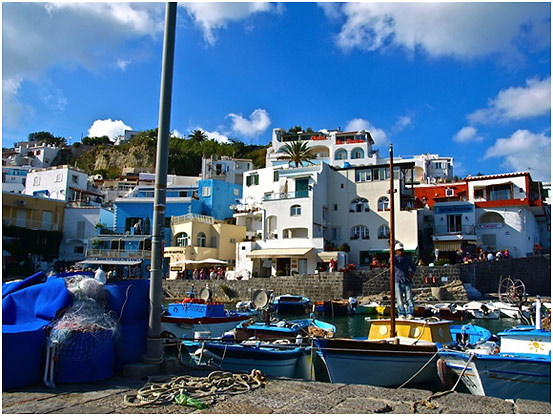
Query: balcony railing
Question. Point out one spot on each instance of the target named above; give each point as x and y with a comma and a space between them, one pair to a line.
286, 195
32, 225
192, 217
120, 254
448, 230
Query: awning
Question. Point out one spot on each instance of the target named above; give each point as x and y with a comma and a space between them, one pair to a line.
204, 261
278, 252
328, 255
121, 262
448, 245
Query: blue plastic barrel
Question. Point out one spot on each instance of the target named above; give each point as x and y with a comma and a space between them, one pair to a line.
22, 358
85, 356
130, 300
130, 344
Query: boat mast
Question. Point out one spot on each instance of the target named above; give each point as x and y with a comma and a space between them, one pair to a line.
392, 243
154, 352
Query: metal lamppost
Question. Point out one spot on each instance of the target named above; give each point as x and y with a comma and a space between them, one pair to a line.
154, 352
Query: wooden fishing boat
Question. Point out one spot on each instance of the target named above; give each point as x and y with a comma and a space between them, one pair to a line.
290, 304
519, 368
334, 307
283, 329
277, 360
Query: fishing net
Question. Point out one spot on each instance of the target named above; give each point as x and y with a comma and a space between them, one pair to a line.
87, 328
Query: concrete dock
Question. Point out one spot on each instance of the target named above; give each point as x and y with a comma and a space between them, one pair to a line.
277, 396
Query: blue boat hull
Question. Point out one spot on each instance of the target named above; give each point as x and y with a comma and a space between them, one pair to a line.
506, 377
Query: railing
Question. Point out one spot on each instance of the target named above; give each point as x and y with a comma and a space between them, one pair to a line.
192, 217
286, 195
32, 225
121, 254
447, 230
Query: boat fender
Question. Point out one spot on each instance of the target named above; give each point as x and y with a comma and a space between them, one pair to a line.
444, 374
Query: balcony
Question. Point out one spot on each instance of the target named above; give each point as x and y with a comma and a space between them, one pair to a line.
119, 254
444, 230
32, 225
286, 195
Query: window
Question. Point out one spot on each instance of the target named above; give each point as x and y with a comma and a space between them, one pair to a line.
78, 250
201, 240
232, 241
363, 175
340, 154
381, 174
438, 165
182, 240
359, 205
364, 258
275, 176
336, 233
80, 229
357, 153
214, 241
383, 232
335, 207
236, 192
449, 192
295, 210
383, 203
59, 177
36, 181
454, 223
479, 194
491, 218
75, 178
206, 190
500, 192
252, 179
359, 231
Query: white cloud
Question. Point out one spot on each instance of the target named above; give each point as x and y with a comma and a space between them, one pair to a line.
515, 103
380, 137
176, 133
257, 123
401, 123
213, 16
218, 137
524, 151
38, 36
108, 127
462, 30
467, 134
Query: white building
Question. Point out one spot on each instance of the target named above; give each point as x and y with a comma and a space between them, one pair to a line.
30, 153
65, 183
225, 168
14, 178
79, 225
343, 149
298, 218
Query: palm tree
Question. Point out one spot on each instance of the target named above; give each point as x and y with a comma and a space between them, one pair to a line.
296, 152
198, 136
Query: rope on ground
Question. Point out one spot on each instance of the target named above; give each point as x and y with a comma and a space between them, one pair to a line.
216, 385
428, 401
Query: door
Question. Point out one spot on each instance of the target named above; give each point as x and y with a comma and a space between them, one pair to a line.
302, 186
21, 218
302, 266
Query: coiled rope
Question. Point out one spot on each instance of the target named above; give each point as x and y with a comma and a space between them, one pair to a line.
216, 385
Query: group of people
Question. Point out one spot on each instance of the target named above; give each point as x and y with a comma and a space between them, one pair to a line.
214, 273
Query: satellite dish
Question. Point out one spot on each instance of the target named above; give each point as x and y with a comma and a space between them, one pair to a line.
261, 298
206, 294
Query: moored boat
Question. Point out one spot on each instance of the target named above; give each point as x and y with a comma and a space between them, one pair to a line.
192, 315
290, 304
518, 368
283, 329
480, 310
277, 360
334, 307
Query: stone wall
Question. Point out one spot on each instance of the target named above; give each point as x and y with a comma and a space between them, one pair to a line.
535, 272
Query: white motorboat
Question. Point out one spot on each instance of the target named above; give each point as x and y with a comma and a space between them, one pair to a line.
480, 310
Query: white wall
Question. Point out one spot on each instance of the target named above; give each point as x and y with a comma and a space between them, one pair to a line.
75, 235
56, 181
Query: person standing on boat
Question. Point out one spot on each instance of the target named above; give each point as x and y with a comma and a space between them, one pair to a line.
405, 269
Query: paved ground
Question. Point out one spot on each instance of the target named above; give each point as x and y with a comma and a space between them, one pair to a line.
277, 396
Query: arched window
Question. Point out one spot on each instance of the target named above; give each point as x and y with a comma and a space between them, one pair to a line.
359, 205
383, 203
357, 153
201, 240
491, 217
359, 231
383, 232
340, 154
181, 240
295, 210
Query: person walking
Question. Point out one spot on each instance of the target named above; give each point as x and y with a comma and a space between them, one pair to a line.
405, 269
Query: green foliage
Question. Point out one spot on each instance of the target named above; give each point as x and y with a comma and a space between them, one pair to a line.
281, 273
47, 137
296, 152
94, 141
198, 136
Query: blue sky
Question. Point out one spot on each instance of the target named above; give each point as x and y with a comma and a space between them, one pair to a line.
468, 80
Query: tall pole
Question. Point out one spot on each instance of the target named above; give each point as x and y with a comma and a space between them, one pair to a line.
154, 352
392, 243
